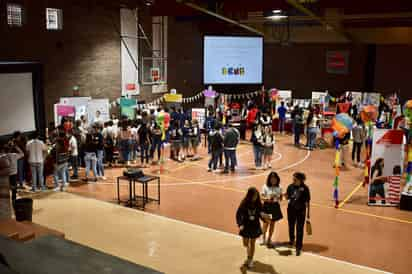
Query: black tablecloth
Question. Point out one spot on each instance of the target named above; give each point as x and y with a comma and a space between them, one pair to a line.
406, 202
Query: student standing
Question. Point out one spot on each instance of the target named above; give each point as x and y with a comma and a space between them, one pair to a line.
74, 152
186, 141
99, 140
62, 155
230, 141
216, 144
14, 154
144, 141
298, 195
90, 157
247, 217
271, 195
358, 134
282, 117
257, 141
195, 138
175, 140
156, 141
268, 142
299, 125
36, 150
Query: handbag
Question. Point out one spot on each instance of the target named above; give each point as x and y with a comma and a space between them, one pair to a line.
308, 227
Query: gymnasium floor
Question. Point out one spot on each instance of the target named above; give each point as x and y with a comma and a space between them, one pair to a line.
375, 237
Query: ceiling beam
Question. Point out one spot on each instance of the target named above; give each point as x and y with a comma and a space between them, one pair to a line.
295, 4
221, 17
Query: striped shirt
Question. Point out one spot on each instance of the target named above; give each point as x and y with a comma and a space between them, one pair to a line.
394, 189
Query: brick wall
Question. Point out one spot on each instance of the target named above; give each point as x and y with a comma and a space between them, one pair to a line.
85, 53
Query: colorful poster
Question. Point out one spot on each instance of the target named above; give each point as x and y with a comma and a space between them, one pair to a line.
200, 115
60, 111
371, 98
285, 96
356, 97
80, 104
127, 107
387, 159
98, 111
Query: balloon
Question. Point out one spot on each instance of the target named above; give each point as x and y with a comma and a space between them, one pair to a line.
369, 113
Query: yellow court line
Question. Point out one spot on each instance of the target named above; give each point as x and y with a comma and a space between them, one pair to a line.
350, 195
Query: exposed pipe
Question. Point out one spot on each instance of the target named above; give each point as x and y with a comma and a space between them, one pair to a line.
221, 17
308, 12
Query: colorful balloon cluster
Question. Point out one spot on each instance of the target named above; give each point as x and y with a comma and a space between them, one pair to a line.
341, 125
407, 110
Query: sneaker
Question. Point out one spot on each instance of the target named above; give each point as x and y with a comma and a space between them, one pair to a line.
251, 264
262, 241
298, 251
225, 171
270, 165
103, 178
209, 170
56, 189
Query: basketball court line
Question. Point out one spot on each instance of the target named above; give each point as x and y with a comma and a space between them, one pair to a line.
237, 236
350, 195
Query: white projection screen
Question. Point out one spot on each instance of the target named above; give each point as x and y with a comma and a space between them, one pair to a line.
232, 60
16, 103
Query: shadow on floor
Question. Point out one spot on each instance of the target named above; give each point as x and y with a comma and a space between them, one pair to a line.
259, 268
314, 248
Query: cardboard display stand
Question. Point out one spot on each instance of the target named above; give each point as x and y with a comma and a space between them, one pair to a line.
80, 104
96, 106
388, 145
61, 110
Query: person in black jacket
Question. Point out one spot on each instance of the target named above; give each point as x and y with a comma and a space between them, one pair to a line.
215, 140
298, 195
247, 217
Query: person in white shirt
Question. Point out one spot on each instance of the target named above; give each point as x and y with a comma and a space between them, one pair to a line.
271, 196
74, 153
268, 142
37, 150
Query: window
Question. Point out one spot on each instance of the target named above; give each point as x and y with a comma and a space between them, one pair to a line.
14, 15
54, 19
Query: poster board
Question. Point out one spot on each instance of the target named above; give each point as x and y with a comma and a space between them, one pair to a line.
284, 96
303, 103
128, 107
200, 115
356, 97
318, 98
62, 110
173, 98
80, 104
371, 98
98, 105
389, 145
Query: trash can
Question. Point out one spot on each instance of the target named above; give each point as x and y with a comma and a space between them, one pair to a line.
23, 209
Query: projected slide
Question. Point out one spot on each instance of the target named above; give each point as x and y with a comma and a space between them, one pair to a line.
233, 60
16, 103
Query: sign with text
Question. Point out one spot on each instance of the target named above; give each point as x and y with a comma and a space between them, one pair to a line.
337, 62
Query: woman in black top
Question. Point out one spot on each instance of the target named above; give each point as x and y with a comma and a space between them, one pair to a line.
90, 156
247, 217
378, 182
144, 141
298, 195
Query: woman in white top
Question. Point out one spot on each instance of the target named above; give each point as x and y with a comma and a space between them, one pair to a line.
271, 196
268, 142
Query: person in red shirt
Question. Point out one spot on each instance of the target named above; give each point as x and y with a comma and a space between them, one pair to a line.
251, 117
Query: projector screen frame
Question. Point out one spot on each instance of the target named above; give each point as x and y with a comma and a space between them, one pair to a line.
204, 35
36, 69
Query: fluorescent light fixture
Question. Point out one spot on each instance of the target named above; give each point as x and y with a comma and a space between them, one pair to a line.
277, 17
277, 11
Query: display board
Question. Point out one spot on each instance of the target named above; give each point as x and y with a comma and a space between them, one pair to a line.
356, 97
389, 146
318, 97
63, 110
16, 103
285, 96
200, 115
98, 111
371, 98
127, 107
232, 60
80, 104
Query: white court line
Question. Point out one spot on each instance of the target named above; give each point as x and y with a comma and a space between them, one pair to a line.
229, 234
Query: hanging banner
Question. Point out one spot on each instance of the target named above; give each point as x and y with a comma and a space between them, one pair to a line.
371, 99
127, 107
61, 111
388, 148
98, 111
173, 98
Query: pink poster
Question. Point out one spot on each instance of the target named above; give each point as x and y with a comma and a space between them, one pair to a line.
65, 110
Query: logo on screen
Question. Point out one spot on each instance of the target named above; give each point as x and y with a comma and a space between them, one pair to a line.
233, 71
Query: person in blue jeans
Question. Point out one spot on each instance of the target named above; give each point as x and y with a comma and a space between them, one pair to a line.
90, 157
230, 141
61, 163
282, 116
216, 143
156, 141
99, 140
299, 124
312, 124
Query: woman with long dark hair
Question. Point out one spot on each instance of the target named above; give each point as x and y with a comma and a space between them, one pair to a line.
247, 218
378, 182
271, 196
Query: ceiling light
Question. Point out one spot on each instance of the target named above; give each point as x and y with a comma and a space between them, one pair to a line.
277, 17
277, 11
